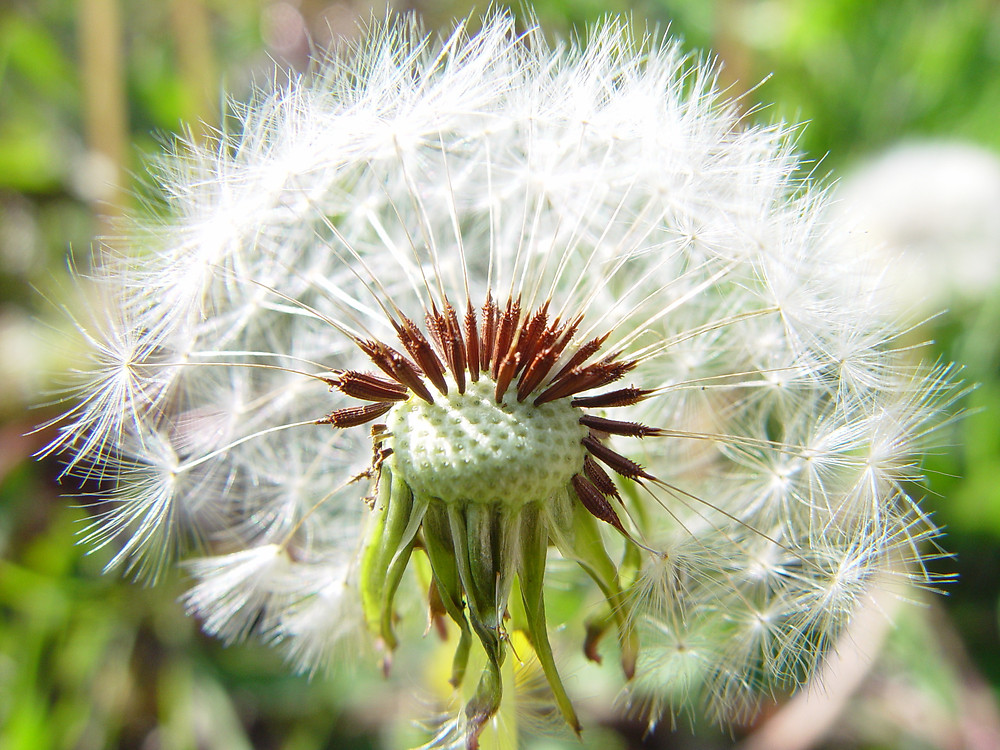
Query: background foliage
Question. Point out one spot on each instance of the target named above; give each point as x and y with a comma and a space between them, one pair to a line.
88, 88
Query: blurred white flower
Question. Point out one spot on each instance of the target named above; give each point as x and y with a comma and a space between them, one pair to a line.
445, 312
931, 210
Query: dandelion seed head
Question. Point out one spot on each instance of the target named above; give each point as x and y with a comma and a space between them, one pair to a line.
446, 315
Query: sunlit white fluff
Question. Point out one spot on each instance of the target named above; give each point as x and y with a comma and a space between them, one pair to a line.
609, 178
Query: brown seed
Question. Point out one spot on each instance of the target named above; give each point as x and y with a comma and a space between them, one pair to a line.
566, 333
472, 342
407, 373
581, 355
366, 386
614, 427
396, 366
423, 353
435, 327
618, 463
531, 333
505, 334
596, 503
447, 337
352, 416
454, 346
505, 373
535, 373
377, 353
600, 478
491, 314
584, 378
621, 397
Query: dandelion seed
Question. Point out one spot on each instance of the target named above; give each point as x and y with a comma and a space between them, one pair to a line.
473, 306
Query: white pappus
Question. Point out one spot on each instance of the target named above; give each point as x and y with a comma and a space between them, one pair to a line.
443, 312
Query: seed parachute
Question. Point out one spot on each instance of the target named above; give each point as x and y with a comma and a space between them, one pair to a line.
450, 327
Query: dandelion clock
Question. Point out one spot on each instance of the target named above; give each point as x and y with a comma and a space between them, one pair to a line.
446, 320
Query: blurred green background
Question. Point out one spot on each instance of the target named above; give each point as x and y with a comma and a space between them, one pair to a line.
88, 90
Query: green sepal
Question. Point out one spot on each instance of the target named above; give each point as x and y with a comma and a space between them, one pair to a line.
369, 580
441, 554
584, 544
485, 703
478, 534
628, 571
477, 538
388, 544
396, 568
534, 543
